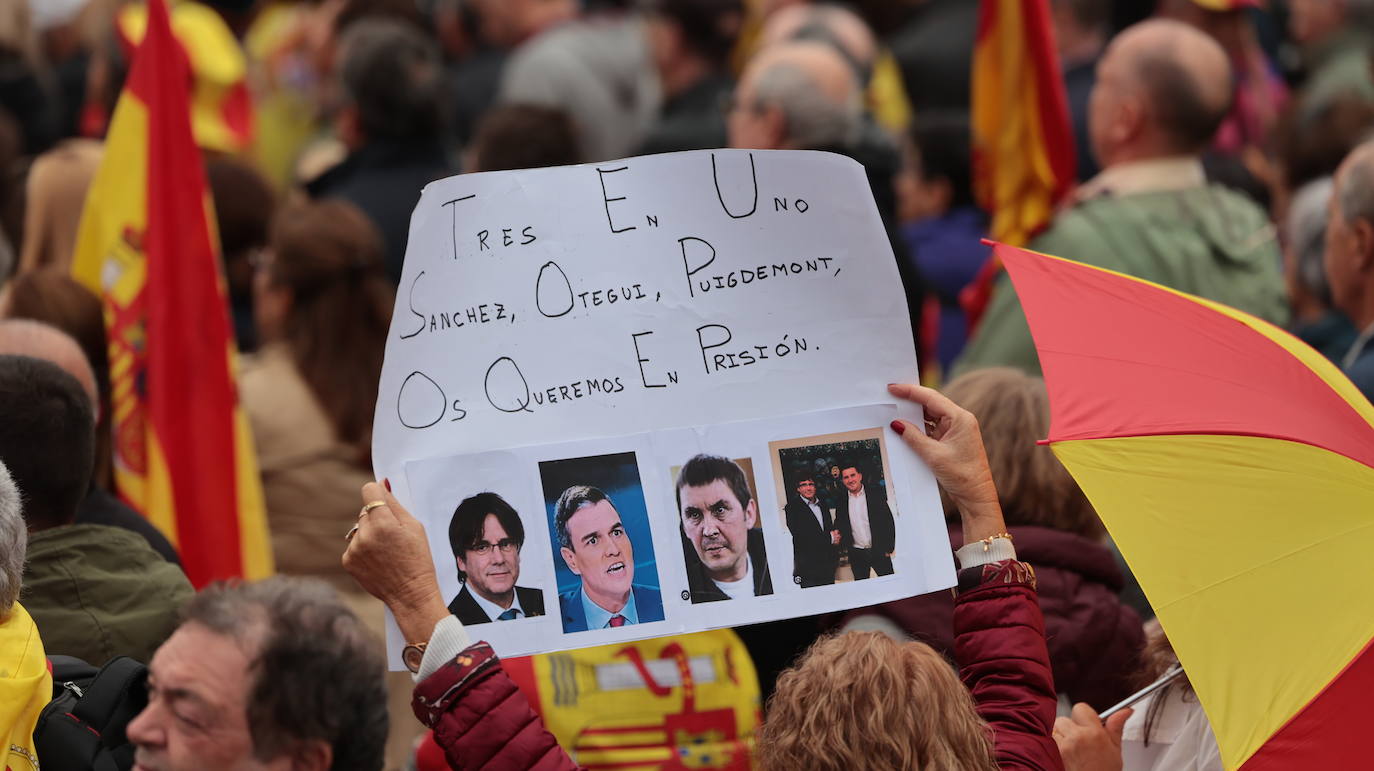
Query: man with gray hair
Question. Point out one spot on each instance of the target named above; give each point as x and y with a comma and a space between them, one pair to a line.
798, 96
1162, 90
26, 686
1350, 259
1315, 321
273, 674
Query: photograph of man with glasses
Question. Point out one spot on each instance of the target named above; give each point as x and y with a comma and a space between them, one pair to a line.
486, 535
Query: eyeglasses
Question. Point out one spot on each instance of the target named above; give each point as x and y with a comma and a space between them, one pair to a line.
506, 545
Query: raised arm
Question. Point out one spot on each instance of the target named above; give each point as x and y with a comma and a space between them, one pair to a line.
475, 709
999, 634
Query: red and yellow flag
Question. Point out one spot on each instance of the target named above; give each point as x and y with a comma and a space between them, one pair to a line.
183, 454
1023, 150
1023, 146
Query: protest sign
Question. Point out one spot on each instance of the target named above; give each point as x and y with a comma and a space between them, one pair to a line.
608, 386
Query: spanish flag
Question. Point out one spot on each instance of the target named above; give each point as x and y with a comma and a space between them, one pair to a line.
183, 454
1023, 150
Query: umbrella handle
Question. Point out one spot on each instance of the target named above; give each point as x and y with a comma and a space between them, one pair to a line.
1168, 677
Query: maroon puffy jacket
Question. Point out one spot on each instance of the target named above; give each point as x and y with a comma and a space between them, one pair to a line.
1094, 639
999, 643
482, 720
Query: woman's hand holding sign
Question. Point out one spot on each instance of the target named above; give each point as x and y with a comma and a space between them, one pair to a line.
954, 452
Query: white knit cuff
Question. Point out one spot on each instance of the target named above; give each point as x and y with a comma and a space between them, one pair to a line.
982, 552
449, 639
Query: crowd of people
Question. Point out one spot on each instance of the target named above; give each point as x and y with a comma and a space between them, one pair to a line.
1224, 148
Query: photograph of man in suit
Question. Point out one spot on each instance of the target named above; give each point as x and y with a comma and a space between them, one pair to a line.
866, 526
724, 550
486, 535
814, 536
597, 548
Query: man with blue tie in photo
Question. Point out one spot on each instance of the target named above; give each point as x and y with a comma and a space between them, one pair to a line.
486, 535
596, 547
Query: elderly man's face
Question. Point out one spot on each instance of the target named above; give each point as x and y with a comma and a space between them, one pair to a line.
718, 527
197, 713
751, 126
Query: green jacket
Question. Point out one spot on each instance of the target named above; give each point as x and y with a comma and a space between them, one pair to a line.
1338, 66
97, 592
1208, 241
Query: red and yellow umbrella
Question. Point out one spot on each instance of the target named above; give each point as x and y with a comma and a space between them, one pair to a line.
1234, 467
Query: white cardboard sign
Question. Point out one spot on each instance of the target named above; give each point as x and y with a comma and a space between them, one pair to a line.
623, 353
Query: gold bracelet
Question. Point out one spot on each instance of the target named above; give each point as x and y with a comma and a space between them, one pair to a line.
987, 542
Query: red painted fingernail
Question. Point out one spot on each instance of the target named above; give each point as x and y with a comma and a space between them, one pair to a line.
898, 426
387, 482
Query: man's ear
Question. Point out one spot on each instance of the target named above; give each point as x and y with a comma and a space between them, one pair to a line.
751, 514
775, 123
1362, 231
1129, 120
349, 126
568, 558
462, 564
314, 755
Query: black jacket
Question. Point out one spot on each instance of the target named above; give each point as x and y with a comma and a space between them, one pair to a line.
384, 180
880, 522
469, 612
703, 589
814, 558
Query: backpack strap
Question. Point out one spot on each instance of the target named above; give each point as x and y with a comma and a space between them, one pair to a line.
116, 696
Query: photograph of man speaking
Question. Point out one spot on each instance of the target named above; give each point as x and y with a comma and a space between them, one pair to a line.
486, 536
722, 545
598, 549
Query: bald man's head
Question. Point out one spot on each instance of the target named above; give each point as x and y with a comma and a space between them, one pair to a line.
22, 337
833, 25
1163, 88
796, 95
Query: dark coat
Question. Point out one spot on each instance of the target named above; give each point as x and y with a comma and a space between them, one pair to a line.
814, 558
1094, 639
703, 589
692, 120
648, 606
385, 181
469, 612
880, 522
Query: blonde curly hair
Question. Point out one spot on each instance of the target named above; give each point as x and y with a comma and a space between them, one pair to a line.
861, 700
